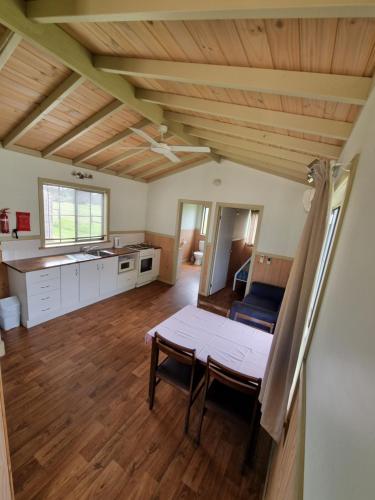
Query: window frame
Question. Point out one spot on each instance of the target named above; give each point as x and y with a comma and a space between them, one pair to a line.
92, 189
204, 221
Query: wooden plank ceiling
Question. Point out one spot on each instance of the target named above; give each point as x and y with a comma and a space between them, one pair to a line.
51, 111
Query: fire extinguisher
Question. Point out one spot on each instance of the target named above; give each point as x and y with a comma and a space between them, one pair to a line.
4, 220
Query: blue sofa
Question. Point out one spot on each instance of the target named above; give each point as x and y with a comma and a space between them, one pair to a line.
260, 308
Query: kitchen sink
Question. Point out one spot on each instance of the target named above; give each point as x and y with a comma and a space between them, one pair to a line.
79, 257
100, 253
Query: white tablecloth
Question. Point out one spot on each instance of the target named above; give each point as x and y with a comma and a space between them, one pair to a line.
233, 344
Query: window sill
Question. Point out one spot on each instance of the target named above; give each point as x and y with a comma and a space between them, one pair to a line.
75, 244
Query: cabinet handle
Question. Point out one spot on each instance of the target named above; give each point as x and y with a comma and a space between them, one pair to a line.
43, 275
102, 266
47, 309
76, 272
97, 267
45, 298
46, 286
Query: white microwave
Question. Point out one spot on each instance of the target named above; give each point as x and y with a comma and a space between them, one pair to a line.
127, 263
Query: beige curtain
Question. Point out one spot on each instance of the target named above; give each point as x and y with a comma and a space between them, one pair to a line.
289, 329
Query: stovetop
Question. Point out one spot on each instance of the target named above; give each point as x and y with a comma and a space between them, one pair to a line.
140, 246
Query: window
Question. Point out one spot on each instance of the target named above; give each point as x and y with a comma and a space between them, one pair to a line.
204, 221
251, 228
73, 213
326, 250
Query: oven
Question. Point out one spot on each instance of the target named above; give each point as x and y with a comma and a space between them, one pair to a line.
146, 266
127, 263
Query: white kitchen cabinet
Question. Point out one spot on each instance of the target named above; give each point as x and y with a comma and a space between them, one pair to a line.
98, 278
89, 281
108, 271
127, 281
70, 286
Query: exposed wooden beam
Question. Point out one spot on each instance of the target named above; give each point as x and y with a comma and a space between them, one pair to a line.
252, 146
112, 141
141, 166
9, 41
72, 54
70, 11
264, 167
83, 127
59, 159
179, 130
251, 156
167, 165
65, 88
119, 158
175, 170
280, 140
299, 123
339, 88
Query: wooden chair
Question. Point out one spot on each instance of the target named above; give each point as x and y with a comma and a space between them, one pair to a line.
180, 369
234, 395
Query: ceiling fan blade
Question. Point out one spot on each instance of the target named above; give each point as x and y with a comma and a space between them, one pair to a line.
190, 149
167, 153
144, 136
135, 147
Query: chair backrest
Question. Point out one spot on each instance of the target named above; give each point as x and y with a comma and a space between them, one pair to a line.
178, 352
266, 291
232, 378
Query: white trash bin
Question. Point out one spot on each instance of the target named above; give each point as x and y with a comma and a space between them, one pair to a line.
10, 313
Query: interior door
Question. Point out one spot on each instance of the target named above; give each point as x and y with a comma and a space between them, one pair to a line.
227, 218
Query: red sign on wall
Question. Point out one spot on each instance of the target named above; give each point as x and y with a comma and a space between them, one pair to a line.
23, 221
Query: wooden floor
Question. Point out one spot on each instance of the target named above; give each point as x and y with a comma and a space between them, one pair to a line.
78, 421
221, 301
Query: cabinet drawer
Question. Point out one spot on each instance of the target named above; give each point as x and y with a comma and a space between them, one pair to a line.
43, 287
44, 303
43, 275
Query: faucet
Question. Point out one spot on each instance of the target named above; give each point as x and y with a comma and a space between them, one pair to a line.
87, 248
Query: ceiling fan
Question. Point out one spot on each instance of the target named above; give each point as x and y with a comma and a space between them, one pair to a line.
165, 149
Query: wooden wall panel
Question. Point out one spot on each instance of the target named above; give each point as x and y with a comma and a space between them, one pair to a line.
4, 289
167, 244
6, 485
275, 273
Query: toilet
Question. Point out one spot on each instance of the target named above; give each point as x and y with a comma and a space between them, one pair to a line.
198, 256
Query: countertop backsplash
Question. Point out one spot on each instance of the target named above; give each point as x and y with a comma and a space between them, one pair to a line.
24, 249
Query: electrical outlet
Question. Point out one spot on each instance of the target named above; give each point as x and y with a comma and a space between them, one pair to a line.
261, 259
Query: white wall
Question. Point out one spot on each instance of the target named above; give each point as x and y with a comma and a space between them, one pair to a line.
19, 191
189, 216
340, 375
283, 216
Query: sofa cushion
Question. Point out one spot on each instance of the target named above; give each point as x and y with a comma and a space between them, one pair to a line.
261, 303
270, 292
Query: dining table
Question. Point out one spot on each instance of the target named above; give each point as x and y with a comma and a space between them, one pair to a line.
234, 344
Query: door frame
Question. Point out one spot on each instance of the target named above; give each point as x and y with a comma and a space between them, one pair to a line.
238, 206
180, 205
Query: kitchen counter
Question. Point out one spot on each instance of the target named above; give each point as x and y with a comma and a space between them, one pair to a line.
40, 263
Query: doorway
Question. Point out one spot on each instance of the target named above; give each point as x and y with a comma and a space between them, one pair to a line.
235, 239
191, 237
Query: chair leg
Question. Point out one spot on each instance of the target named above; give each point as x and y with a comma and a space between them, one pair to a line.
187, 416
198, 438
152, 392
